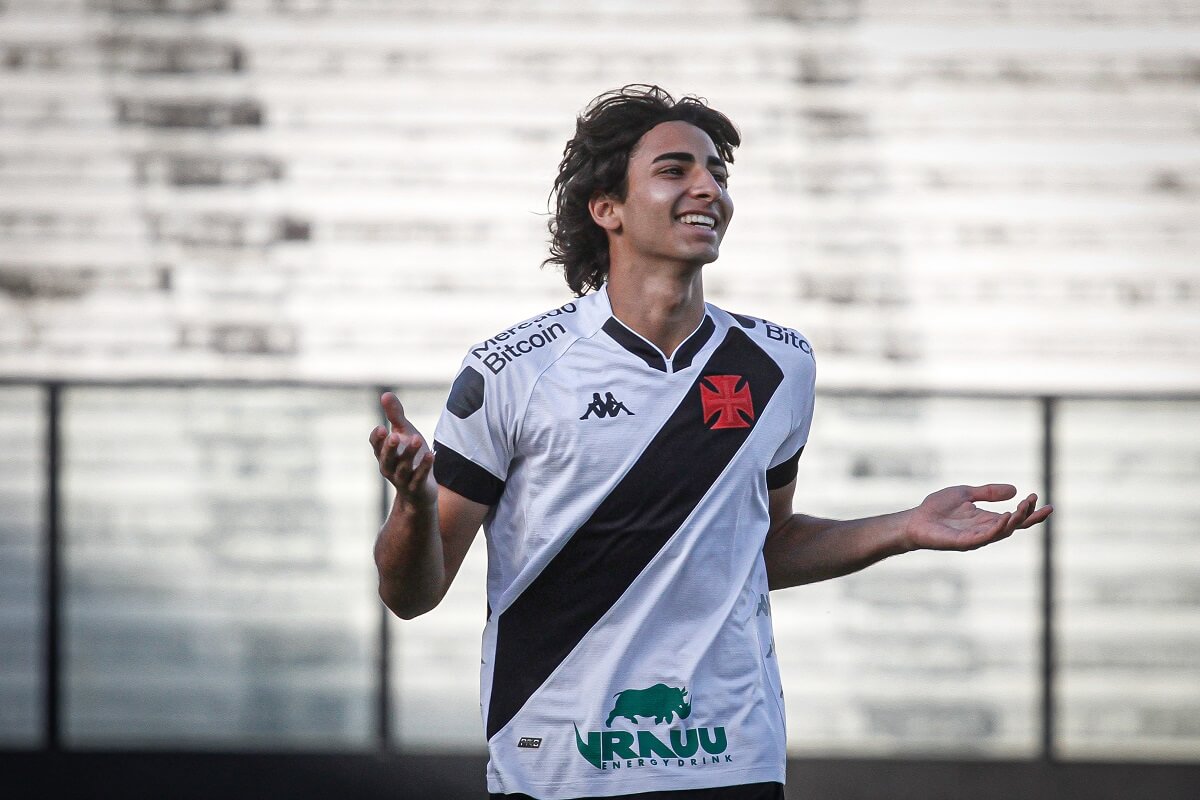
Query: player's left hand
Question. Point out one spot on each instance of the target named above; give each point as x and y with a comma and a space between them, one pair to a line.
949, 520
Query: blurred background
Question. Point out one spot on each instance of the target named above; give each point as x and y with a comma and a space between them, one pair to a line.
227, 225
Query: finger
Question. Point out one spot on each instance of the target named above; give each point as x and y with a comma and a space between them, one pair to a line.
1038, 516
983, 529
389, 456
421, 473
991, 492
378, 434
411, 447
1024, 509
982, 532
395, 457
393, 409
405, 453
1003, 527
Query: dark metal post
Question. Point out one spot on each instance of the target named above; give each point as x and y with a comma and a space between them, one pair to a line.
383, 701
1049, 406
52, 674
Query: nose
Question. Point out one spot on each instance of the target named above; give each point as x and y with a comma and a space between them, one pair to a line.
705, 186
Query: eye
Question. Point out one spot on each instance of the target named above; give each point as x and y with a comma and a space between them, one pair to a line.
721, 178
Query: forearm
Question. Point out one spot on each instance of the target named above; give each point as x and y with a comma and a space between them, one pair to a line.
805, 549
410, 559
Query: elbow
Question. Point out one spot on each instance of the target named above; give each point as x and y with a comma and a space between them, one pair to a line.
409, 587
406, 613
406, 605
406, 609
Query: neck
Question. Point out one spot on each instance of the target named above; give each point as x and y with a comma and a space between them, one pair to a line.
664, 308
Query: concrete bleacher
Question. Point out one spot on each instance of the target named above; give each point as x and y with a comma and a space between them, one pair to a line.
264, 181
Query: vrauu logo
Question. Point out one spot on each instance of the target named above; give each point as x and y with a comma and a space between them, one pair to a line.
676, 747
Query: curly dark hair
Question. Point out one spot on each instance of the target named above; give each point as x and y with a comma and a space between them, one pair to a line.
596, 159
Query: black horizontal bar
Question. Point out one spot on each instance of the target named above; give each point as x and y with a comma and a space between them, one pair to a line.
301, 776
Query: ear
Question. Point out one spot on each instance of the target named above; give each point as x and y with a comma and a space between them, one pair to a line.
606, 212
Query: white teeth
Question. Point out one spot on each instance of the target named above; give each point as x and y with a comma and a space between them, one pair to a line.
698, 219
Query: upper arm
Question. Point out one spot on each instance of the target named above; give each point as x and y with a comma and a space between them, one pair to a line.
774, 548
459, 520
782, 473
473, 449
779, 504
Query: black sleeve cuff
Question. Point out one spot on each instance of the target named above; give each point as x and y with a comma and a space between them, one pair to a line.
459, 474
784, 472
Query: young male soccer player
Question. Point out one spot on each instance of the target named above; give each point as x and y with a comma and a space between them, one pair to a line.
632, 456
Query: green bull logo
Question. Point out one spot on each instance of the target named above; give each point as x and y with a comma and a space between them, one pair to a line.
677, 747
659, 701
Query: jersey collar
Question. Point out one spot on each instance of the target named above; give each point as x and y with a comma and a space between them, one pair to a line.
649, 353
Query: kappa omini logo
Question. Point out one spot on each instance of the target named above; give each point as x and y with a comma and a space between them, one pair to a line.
608, 407
675, 747
726, 397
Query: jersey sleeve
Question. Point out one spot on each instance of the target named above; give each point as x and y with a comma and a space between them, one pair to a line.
785, 463
473, 441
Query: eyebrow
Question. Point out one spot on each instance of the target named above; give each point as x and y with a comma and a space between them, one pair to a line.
713, 161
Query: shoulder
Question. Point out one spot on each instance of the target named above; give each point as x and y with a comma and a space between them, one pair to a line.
790, 348
500, 371
524, 349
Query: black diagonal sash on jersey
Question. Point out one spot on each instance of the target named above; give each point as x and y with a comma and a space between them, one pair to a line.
594, 568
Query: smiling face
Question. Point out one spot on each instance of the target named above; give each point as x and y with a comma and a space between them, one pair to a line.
677, 204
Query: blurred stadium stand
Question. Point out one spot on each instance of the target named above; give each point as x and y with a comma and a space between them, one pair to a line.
225, 223
187, 589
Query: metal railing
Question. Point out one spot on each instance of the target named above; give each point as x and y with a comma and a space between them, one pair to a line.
384, 729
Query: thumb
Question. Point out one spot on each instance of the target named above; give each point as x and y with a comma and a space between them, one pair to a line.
393, 409
992, 492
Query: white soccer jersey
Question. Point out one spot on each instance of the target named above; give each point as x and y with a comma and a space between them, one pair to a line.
628, 646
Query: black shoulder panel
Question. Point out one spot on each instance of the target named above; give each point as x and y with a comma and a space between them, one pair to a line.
743, 320
466, 395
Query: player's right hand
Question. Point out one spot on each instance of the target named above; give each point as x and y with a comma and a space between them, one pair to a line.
404, 457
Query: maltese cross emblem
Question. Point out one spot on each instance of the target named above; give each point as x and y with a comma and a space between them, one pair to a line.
726, 397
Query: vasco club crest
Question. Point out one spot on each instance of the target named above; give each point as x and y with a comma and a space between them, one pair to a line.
726, 397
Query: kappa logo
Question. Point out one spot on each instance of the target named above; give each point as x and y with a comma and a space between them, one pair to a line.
608, 407
726, 397
672, 748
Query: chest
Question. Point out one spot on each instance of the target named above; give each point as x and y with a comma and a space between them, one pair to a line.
591, 417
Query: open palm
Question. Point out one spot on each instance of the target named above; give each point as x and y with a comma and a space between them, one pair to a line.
949, 519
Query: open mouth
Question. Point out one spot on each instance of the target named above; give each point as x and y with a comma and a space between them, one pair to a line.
699, 221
